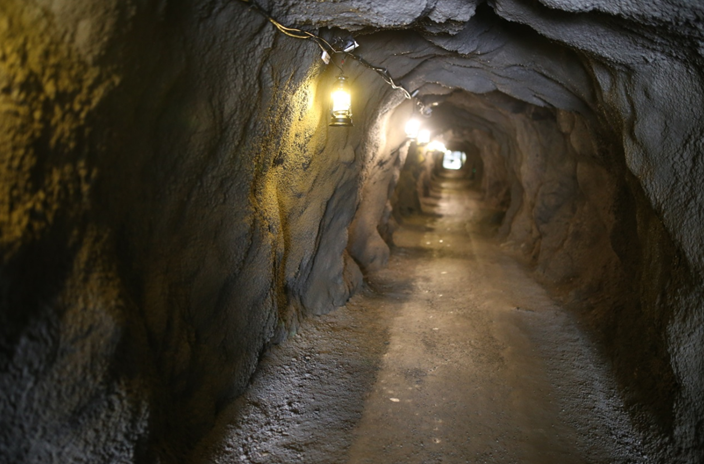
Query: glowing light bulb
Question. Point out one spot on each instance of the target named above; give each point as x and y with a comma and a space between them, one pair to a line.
453, 160
341, 112
423, 137
341, 101
412, 128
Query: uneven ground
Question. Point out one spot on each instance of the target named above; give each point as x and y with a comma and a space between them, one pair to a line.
452, 355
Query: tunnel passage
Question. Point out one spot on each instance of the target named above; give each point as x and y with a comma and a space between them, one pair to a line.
563, 206
173, 199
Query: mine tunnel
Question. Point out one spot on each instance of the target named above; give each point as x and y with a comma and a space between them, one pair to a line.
202, 263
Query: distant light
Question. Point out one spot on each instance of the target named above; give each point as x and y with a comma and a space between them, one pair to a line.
453, 160
423, 137
412, 128
341, 113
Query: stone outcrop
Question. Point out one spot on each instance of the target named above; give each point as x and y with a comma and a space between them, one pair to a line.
173, 199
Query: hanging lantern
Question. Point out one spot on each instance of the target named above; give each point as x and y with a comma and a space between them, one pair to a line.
341, 113
423, 137
412, 127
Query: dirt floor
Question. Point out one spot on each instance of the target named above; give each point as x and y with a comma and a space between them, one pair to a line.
452, 355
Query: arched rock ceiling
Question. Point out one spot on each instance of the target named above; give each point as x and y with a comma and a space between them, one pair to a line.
510, 45
486, 56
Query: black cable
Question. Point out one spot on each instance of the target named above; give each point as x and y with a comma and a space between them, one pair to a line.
326, 47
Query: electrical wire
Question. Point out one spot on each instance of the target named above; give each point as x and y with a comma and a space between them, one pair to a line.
384, 73
325, 46
291, 31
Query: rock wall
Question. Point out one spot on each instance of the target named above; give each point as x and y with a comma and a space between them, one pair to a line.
173, 199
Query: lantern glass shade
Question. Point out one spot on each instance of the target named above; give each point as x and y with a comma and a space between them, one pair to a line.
423, 137
341, 112
412, 127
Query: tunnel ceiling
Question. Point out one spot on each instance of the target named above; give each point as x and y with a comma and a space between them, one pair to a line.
545, 53
488, 55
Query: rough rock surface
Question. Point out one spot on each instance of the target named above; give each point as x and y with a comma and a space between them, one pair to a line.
173, 200
456, 355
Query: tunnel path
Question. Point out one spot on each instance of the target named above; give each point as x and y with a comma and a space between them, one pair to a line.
457, 356
482, 366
